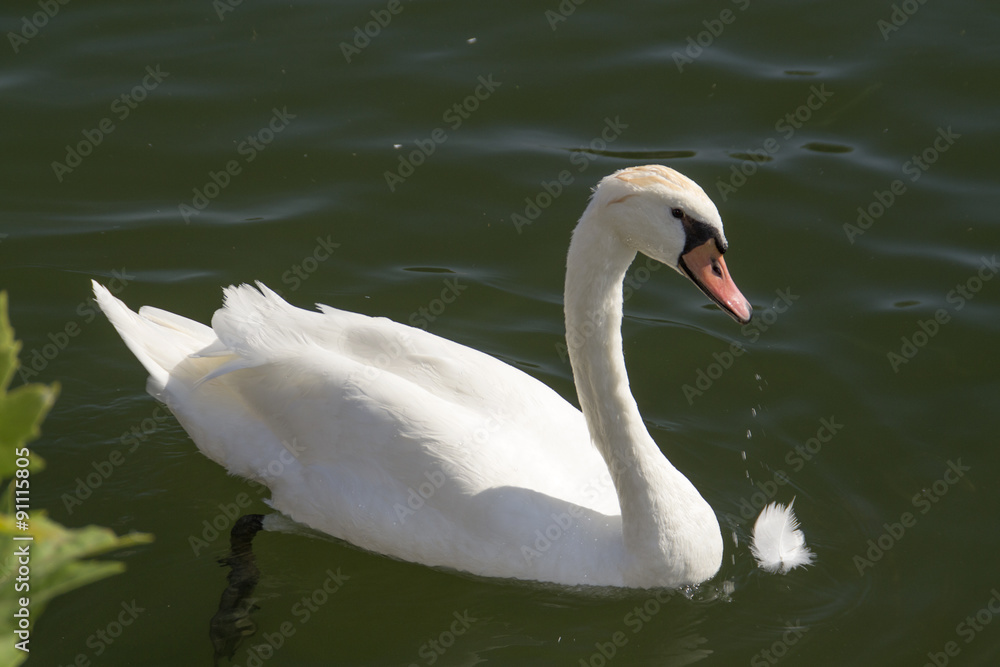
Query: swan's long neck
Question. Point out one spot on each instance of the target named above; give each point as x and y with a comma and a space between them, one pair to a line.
665, 521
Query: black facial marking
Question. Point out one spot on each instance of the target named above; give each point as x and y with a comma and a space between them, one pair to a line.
698, 233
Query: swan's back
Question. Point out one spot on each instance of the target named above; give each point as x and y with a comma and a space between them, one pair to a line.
384, 435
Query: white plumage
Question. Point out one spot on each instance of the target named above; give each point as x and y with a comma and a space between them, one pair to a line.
778, 544
420, 448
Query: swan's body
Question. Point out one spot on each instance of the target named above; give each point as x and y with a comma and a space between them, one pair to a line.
414, 446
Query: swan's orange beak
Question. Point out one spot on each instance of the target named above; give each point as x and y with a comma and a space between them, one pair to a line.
705, 266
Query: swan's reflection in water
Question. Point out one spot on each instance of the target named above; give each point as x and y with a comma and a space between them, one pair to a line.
231, 623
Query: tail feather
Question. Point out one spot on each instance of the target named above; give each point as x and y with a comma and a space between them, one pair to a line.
160, 340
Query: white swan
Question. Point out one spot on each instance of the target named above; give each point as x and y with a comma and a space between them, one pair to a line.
414, 446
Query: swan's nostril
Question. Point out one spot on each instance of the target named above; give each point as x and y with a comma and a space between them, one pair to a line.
716, 269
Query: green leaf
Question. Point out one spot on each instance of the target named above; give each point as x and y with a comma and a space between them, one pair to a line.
21, 415
23, 409
9, 348
57, 558
55, 562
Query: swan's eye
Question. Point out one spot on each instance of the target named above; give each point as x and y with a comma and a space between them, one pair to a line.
677, 213
716, 269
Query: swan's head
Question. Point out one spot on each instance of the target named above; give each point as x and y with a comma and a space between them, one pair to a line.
668, 217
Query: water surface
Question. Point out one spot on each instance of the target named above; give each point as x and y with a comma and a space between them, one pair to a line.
179, 147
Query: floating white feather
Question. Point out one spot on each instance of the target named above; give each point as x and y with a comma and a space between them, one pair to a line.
777, 543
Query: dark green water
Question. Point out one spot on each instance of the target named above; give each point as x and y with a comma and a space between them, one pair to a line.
247, 147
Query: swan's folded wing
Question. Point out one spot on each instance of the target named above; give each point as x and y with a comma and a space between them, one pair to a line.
359, 384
